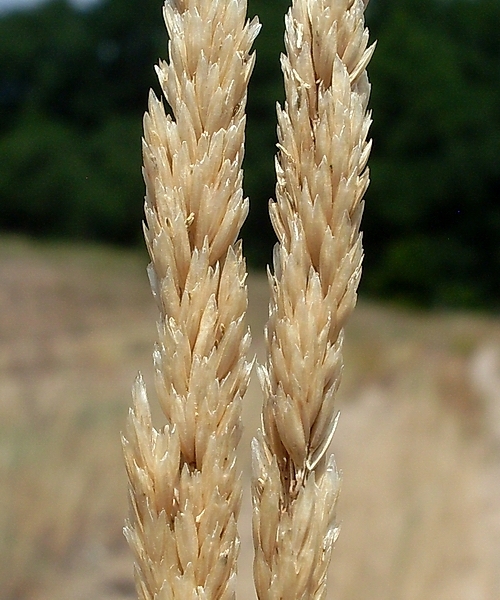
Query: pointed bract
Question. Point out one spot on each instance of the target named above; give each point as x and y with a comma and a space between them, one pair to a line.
185, 489
321, 178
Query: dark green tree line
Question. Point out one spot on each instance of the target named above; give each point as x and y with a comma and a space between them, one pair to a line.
432, 218
74, 86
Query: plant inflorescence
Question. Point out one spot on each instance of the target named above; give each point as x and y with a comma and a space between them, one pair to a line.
185, 488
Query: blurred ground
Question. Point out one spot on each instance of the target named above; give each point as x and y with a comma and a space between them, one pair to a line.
418, 440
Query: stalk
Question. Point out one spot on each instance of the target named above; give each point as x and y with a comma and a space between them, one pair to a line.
321, 179
185, 488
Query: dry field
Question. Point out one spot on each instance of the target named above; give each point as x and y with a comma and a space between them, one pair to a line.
418, 440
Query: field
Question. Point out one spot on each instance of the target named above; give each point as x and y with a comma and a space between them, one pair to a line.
418, 440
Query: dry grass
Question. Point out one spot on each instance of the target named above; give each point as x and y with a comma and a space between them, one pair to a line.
322, 176
418, 439
185, 486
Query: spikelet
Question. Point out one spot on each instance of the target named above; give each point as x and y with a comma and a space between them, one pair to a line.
185, 489
321, 179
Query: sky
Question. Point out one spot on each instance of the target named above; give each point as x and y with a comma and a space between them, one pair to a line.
9, 5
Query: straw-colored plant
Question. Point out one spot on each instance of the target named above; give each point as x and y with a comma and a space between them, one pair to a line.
321, 179
184, 487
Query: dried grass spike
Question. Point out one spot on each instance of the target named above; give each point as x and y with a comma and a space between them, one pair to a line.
185, 489
321, 178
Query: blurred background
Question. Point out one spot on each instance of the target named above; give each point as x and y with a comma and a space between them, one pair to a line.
419, 437
73, 88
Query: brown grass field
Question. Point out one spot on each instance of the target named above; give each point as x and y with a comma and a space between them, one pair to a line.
418, 440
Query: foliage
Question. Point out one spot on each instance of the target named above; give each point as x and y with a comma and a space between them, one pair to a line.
73, 88
433, 219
